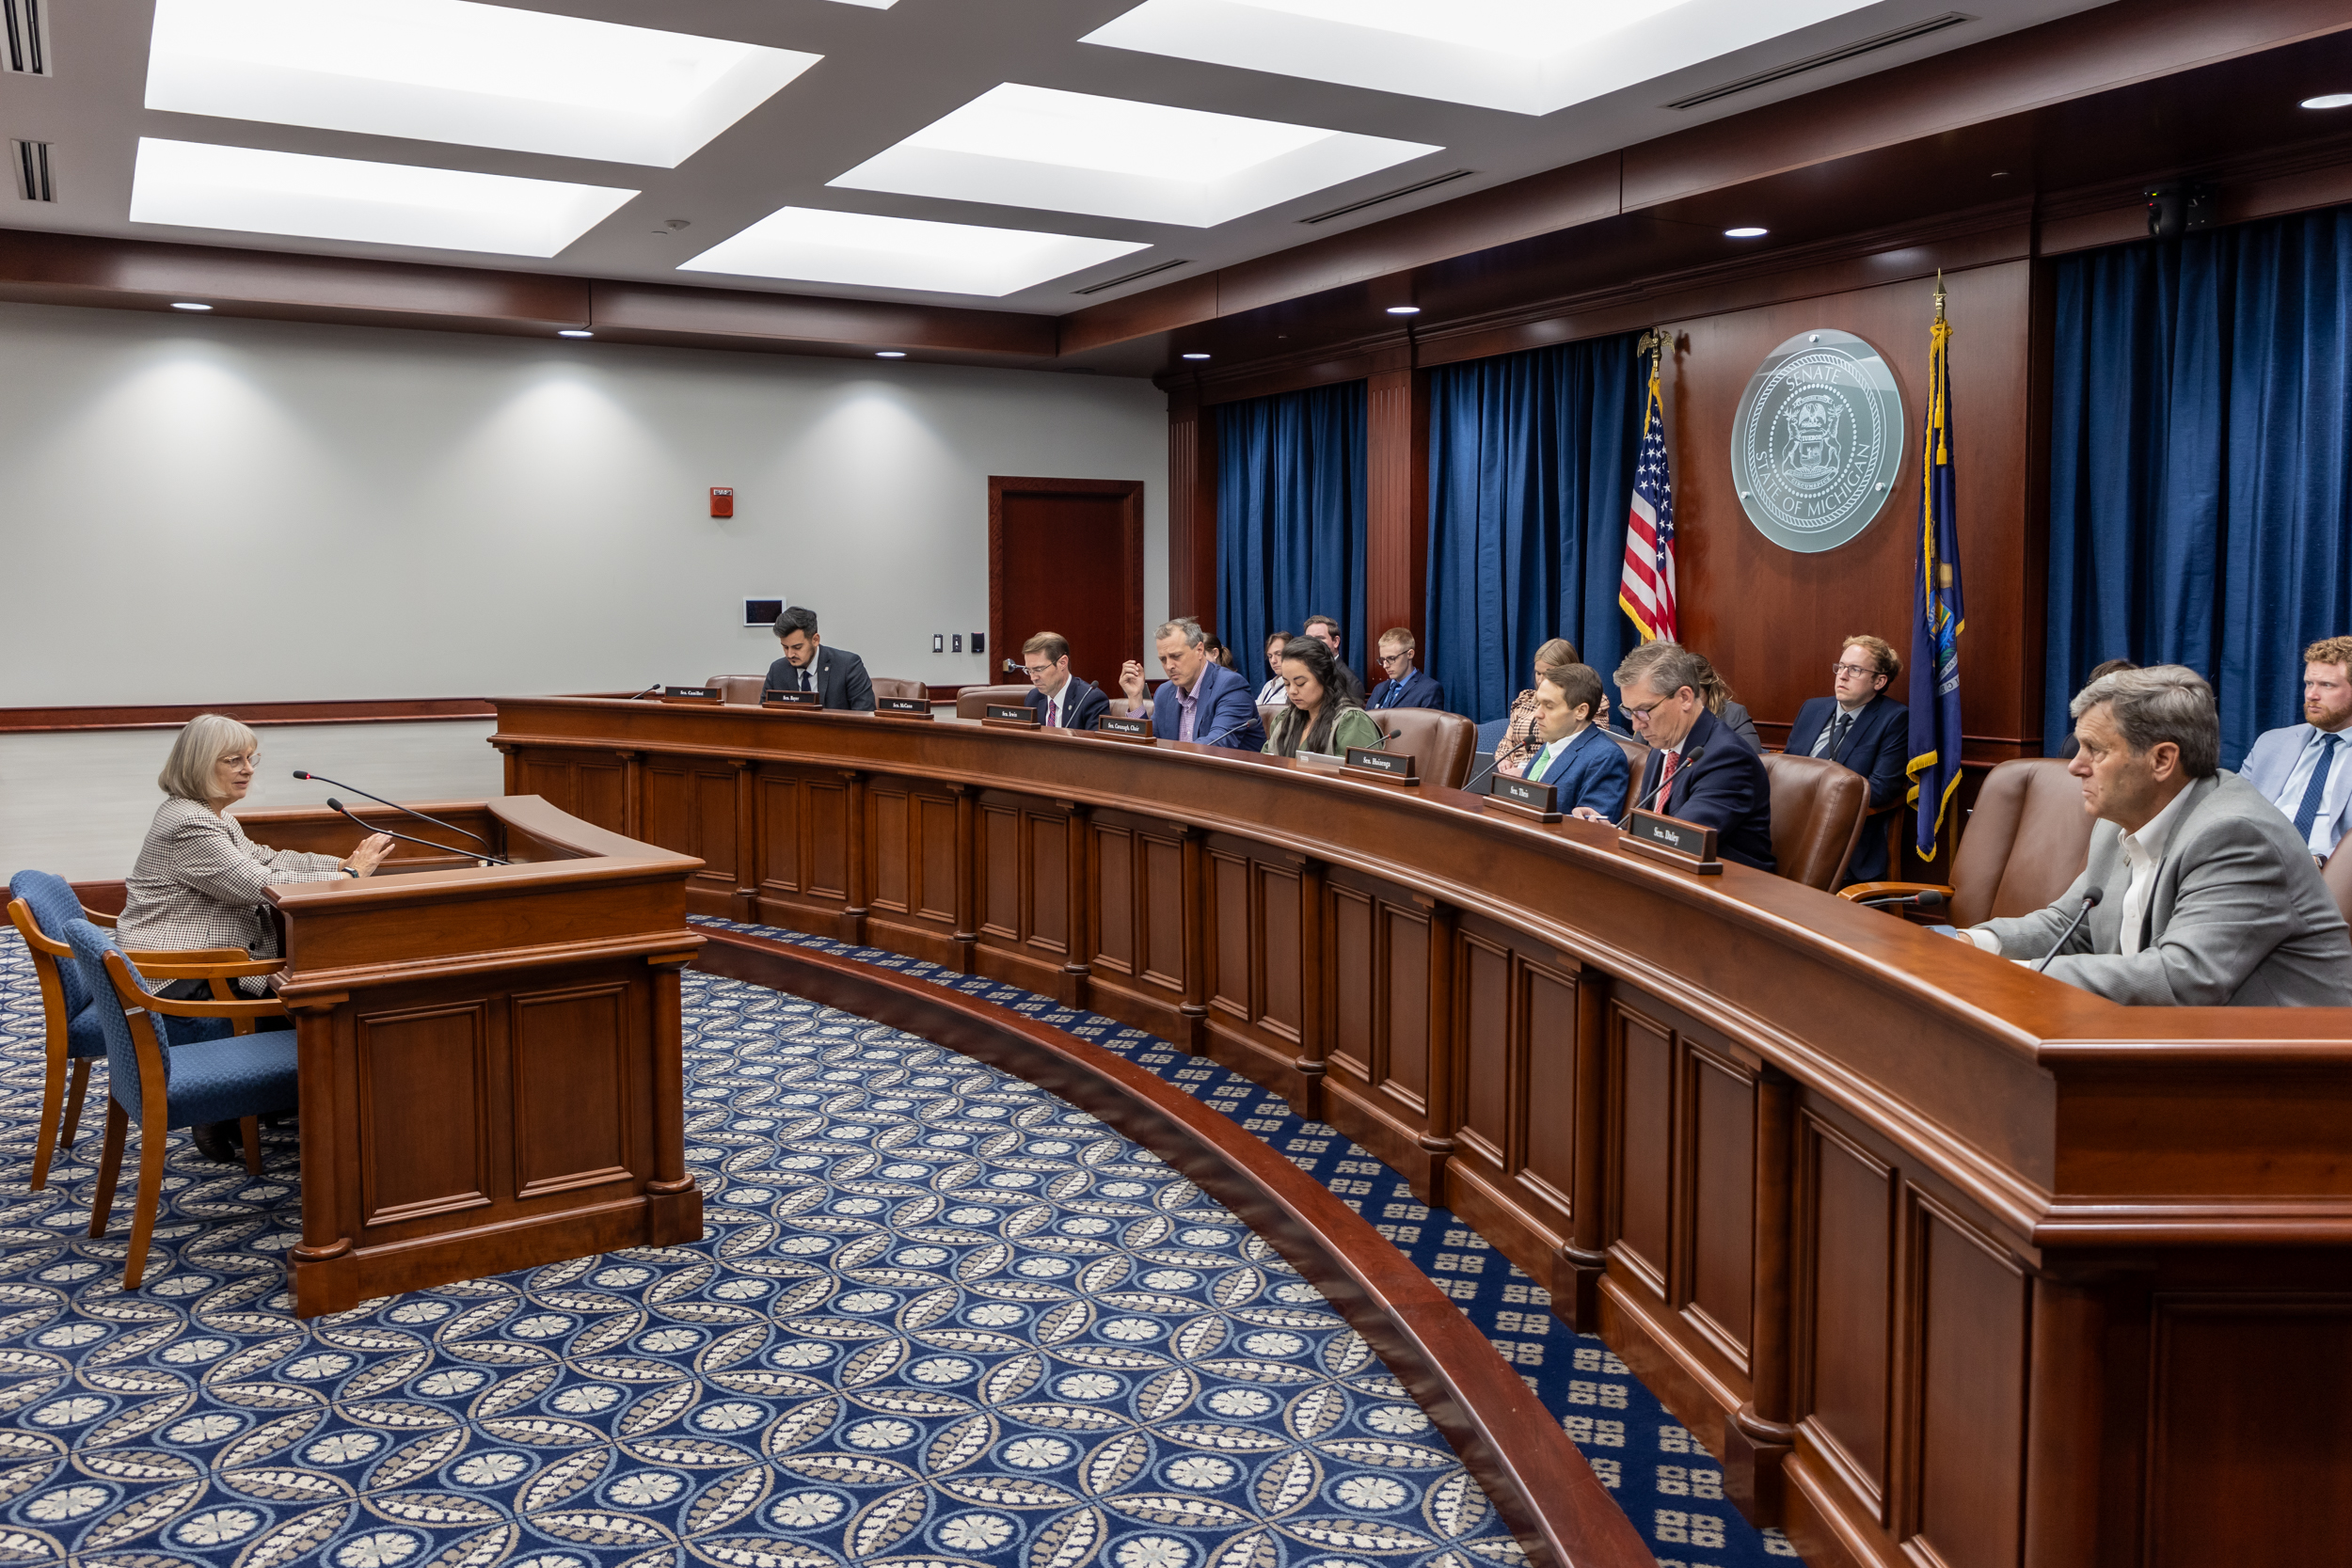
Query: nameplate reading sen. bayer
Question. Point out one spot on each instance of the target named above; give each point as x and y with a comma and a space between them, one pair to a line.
778, 697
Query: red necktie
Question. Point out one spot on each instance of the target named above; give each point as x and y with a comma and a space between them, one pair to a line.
1666, 779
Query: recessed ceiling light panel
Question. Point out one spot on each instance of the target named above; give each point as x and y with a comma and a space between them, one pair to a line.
2329, 101
1076, 152
451, 70
1529, 56
198, 185
811, 245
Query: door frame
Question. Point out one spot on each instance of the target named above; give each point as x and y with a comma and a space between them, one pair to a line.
1129, 492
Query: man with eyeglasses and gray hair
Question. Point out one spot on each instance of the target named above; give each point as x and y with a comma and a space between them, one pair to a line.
2201, 892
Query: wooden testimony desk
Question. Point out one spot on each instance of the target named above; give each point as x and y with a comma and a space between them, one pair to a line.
490, 1056
1948, 1262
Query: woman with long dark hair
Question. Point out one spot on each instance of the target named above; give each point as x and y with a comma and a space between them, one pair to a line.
1324, 715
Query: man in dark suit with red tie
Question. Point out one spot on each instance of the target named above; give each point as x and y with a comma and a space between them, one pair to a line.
1862, 728
1062, 700
1699, 770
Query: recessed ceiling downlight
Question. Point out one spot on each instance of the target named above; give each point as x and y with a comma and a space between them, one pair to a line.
188, 305
1745, 231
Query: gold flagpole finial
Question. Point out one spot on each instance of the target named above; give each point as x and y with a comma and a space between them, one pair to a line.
1939, 293
1652, 340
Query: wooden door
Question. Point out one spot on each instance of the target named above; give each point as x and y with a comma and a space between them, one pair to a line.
1065, 555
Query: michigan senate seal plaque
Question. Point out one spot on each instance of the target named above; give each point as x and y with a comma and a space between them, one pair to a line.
1816, 441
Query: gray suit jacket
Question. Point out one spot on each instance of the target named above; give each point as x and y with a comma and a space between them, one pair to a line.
2238, 914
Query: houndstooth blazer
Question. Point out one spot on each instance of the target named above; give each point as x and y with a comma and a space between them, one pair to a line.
198, 884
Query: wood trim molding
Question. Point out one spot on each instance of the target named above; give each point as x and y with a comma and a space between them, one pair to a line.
170, 716
1512, 1445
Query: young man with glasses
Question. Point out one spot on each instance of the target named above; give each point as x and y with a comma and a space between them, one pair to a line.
1063, 702
1404, 687
1862, 728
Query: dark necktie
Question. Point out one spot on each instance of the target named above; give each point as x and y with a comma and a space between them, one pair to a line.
1053, 712
808, 676
2316, 793
1834, 736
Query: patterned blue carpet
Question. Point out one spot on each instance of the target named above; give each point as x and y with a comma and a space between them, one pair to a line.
940, 1317
1668, 1485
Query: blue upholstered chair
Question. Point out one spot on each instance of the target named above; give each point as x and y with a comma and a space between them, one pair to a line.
1490, 733
40, 904
238, 1077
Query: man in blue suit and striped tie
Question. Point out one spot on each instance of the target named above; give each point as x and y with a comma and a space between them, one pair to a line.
1585, 769
2304, 769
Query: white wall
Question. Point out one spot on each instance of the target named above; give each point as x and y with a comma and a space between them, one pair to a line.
77, 803
198, 510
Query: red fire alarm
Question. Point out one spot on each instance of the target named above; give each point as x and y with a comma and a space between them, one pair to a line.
723, 500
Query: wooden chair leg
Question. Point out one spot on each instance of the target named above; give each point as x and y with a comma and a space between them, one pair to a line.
52, 1093
252, 1128
73, 1100
109, 1166
151, 1142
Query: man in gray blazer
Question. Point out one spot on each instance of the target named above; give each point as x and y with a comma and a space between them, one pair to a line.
835, 674
2206, 895
2306, 769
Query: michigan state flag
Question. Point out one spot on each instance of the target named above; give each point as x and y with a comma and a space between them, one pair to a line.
1938, 620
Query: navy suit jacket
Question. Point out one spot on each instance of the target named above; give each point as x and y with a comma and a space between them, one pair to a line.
1418, 690
1724, 788
1591, 772
1876, 746
1081, 704
841, 679
1227, 716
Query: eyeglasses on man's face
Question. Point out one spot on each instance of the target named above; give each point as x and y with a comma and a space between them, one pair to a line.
1859, 671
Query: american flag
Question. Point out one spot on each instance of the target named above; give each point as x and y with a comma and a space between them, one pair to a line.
1646, 588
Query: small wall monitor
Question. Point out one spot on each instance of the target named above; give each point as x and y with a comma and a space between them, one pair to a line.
762, 612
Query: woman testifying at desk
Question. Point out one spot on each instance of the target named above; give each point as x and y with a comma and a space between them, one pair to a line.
198, 880
1322, 714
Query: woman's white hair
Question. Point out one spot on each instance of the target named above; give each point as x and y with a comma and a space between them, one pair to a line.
206, 738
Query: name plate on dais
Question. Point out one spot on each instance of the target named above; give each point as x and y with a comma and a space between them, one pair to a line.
1521, 797
778, 697
1677, 843
690, 693
1390, 766
1135, 731
903, 708
1010, 715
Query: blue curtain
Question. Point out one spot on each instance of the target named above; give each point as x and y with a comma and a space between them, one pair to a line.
2201, 496
1290, 520
1531, 474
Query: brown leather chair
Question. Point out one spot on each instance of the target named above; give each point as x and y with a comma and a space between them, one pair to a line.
1636, 752
1818, 810
2023, 845
1441, 744
973, 701
742, 691
885, 687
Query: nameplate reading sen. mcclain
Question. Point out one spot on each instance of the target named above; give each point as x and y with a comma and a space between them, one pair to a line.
903, 708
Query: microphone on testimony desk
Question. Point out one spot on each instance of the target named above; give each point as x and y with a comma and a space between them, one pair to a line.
2090, 900
483, 855
320, 778
1664, 780
1930, 900
647, 693
1500, 758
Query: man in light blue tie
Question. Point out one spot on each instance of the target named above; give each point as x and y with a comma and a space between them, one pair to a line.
2306, 769
1586, 770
